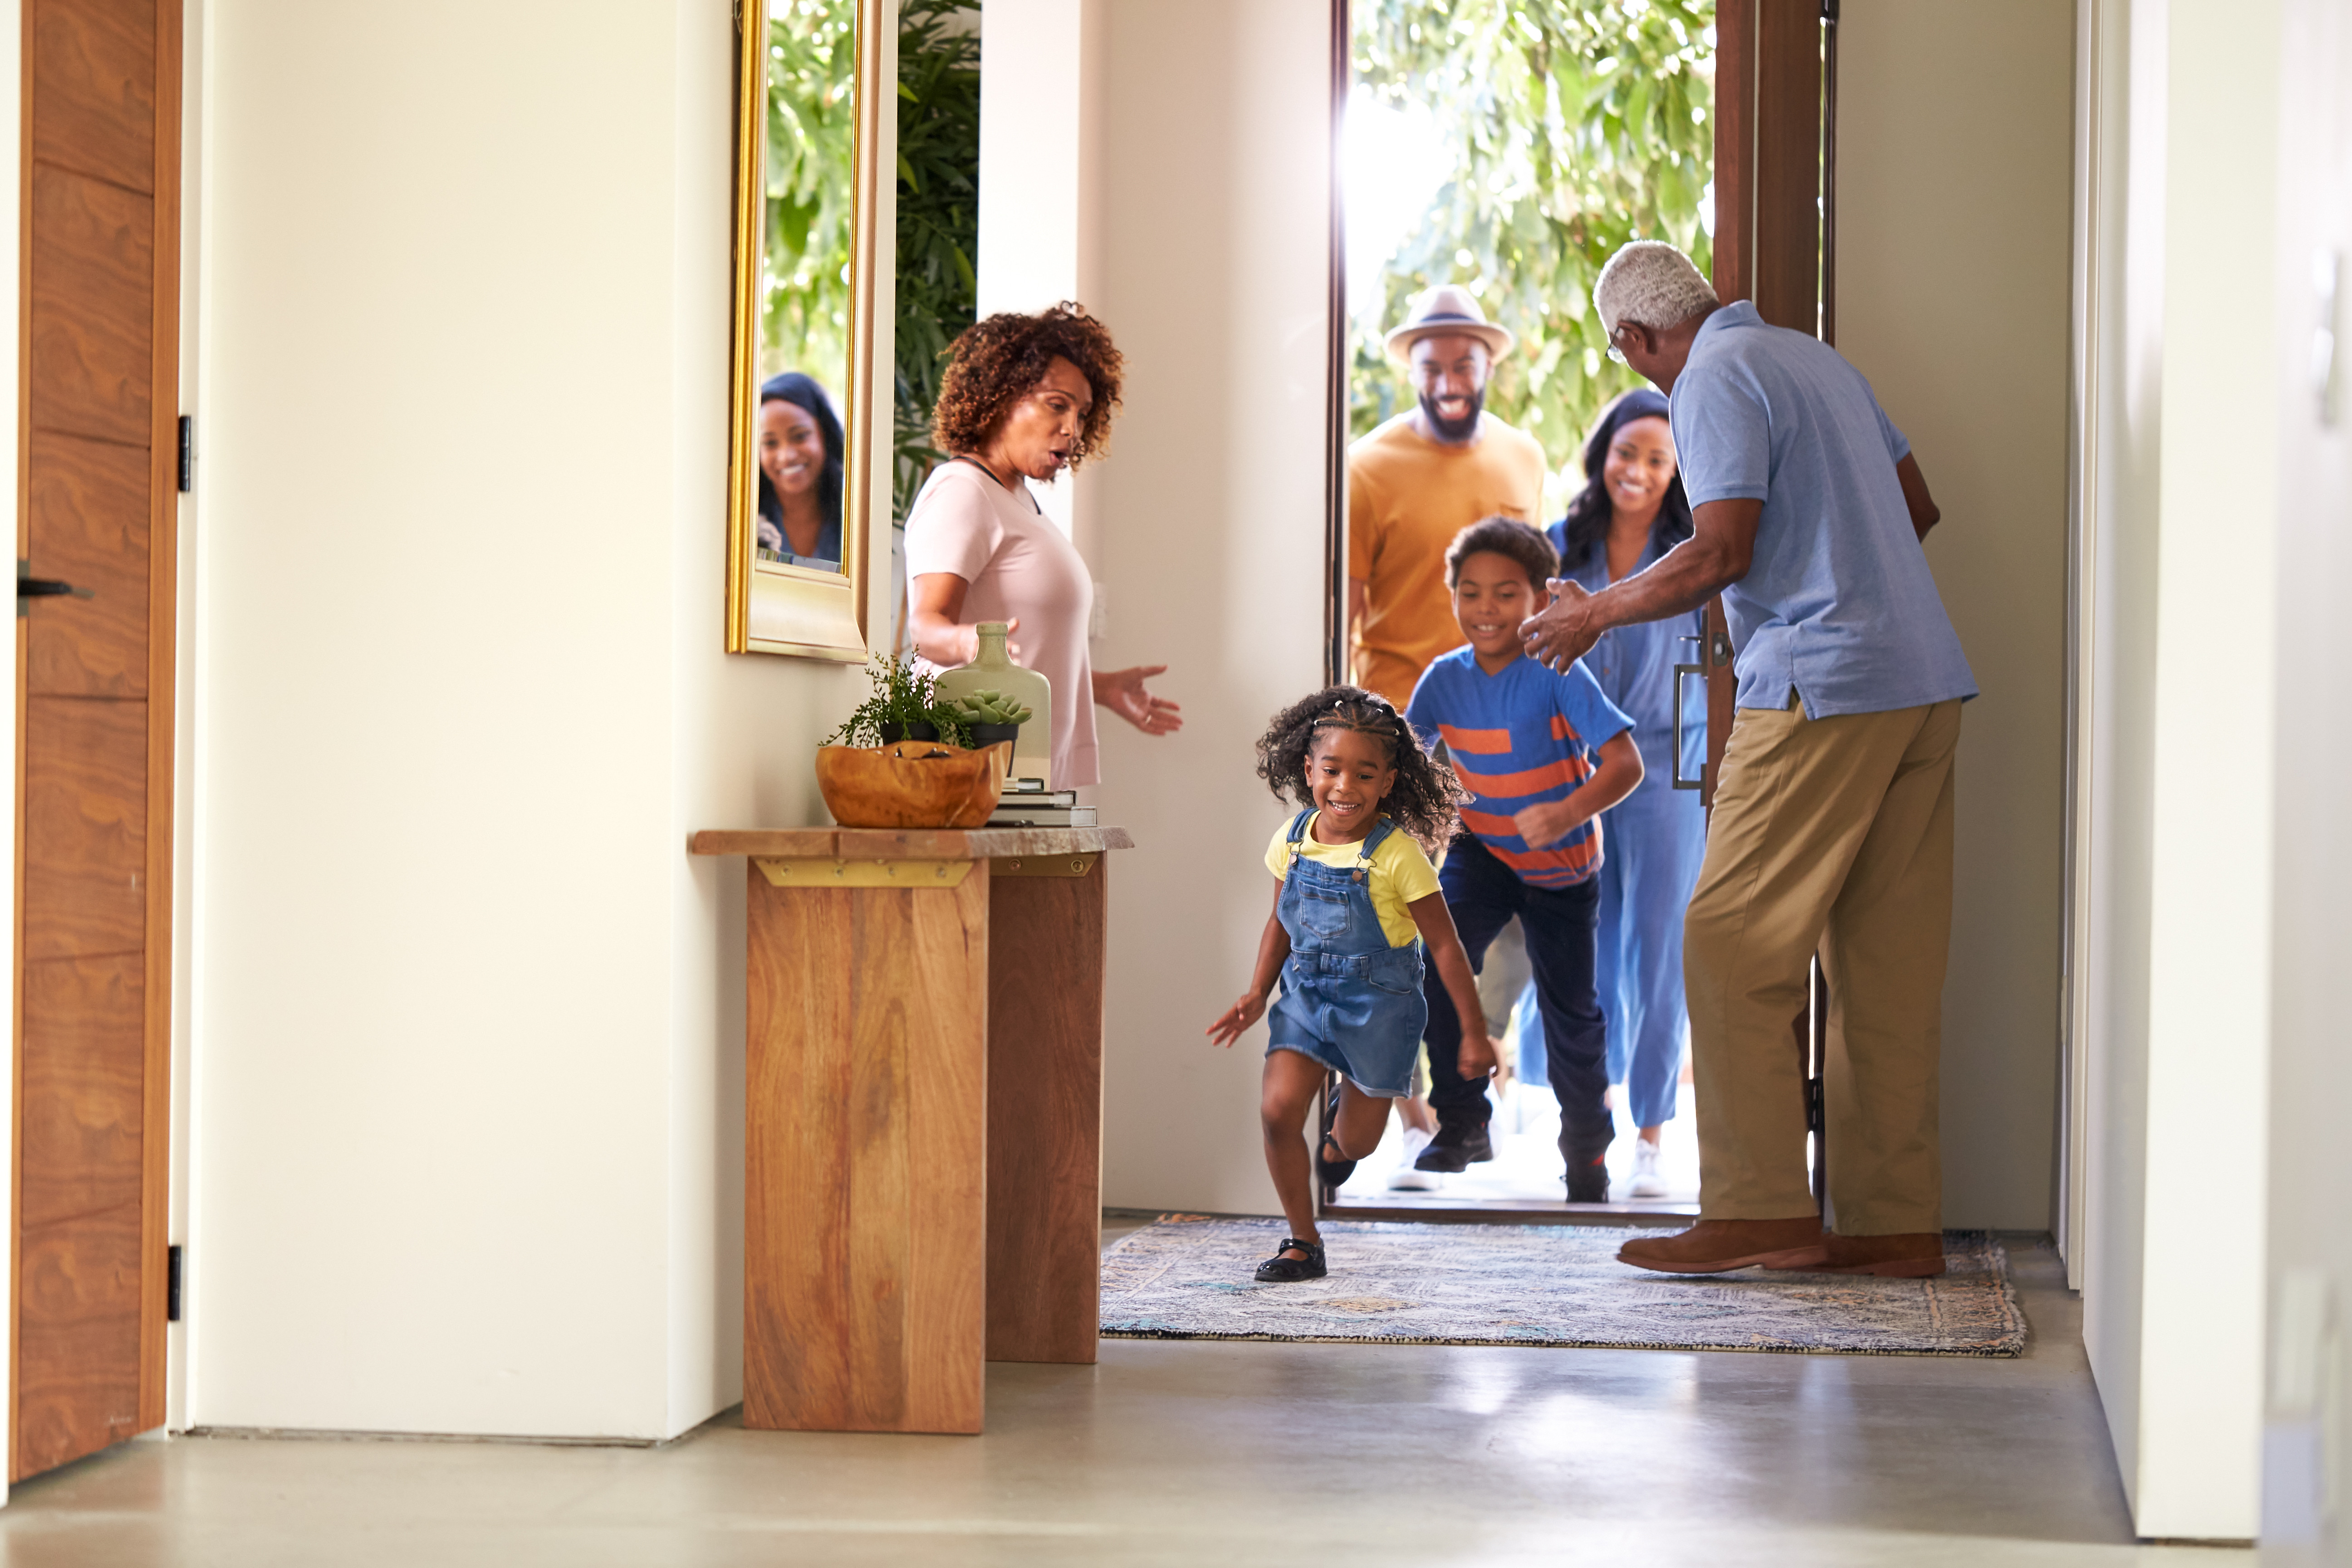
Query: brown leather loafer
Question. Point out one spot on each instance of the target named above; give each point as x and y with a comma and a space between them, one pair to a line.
1718, 1246
1915, 1256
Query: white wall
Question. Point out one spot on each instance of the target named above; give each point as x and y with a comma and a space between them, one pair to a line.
2310, 1248
2209, 919
1041, 91
467, 1030
2179, 597
1214, 274
1206, 253
1954, 144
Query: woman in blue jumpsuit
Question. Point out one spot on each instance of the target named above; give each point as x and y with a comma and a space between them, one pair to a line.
1631, 512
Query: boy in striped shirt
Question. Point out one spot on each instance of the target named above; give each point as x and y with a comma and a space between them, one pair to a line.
1542, 755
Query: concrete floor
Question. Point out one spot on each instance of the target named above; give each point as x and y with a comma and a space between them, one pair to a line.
1172, 1453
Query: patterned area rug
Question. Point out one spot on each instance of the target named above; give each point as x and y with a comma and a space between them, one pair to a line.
1185, 1277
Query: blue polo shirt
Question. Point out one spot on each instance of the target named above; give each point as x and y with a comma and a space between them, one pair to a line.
1838, 603
1517, 738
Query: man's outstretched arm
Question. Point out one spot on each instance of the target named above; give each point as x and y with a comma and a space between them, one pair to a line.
1715, 556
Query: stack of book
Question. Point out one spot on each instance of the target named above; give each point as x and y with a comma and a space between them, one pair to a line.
1027, 803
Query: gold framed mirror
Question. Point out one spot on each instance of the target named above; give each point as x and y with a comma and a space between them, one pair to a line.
800, 476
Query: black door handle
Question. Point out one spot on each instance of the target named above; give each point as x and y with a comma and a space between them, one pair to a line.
45, 588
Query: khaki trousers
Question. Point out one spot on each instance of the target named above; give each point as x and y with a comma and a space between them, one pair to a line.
1832, 835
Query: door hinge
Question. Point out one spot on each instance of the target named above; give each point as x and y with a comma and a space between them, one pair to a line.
171, 1285
187, 454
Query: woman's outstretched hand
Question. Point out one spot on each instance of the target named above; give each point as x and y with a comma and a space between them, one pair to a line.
1122, 692
1238, 1017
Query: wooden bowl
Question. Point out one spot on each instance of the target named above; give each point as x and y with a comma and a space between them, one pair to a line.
915, 784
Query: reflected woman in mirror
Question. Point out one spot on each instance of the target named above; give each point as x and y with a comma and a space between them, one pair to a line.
1023, 398
1631, 512
800, 473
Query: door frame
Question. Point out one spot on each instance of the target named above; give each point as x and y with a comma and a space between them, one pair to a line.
1775, 207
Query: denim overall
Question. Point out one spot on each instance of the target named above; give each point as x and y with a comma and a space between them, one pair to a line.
1348, 999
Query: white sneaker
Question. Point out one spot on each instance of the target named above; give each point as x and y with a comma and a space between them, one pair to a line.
1405, 1179
1646, 1182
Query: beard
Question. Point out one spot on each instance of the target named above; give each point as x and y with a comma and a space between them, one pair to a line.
1454, 430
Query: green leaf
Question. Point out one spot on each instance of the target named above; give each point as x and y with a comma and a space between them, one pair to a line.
937, 222
1570, 130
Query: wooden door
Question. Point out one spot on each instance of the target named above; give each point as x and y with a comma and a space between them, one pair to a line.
96, 509
1774, 205
1775, 243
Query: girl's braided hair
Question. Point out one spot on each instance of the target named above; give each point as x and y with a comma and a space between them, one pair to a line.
1425, 797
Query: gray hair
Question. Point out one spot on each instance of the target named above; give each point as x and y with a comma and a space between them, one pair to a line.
1649, 283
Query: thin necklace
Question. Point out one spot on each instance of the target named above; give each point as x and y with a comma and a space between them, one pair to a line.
984, 468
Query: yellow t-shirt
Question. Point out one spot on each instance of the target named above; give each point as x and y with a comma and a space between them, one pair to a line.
1402, 874
1408, 495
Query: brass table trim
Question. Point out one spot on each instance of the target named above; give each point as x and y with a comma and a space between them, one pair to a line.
796, 873
1045, 865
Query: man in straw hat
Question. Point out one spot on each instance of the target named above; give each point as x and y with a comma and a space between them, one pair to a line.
1421, 478
1833, 823
1413, 484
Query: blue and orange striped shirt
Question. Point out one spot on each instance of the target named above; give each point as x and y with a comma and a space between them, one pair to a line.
1517, 739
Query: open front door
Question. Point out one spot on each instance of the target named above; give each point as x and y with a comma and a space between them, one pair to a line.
1775, 215
97, 455
1775, 243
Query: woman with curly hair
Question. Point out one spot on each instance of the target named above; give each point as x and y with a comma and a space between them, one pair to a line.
1357, 902
1023, 398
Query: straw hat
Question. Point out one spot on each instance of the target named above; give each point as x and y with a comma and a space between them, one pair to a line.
1448, 308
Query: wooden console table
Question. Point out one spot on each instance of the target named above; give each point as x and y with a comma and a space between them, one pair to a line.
923, 1125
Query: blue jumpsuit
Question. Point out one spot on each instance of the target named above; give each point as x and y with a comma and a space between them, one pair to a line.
1348, 999
1652, 842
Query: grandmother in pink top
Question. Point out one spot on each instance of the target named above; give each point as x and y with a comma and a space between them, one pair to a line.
1023, 398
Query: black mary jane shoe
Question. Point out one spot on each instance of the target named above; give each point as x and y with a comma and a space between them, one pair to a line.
1281, 1270
1333, 1173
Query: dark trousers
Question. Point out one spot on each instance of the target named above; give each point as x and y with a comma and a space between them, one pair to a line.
1562, 926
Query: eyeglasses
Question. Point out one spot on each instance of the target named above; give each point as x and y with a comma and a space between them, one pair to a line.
1616, 355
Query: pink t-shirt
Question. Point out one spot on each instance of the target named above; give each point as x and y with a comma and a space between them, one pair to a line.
1018, 563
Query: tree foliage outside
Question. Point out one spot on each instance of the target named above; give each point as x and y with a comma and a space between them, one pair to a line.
811, 143
1569, 128
939, 219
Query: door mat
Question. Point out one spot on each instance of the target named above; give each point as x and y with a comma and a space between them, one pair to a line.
1184, 1277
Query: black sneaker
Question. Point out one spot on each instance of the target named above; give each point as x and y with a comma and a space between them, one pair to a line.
1456, 1146
1588, 1182
1281, 1270
1587, 1177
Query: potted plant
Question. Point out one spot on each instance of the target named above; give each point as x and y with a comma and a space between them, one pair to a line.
904, 706
990, 716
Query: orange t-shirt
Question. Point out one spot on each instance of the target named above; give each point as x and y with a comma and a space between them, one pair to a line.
1408, 495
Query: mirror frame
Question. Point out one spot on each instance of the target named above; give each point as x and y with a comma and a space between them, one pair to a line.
772, 607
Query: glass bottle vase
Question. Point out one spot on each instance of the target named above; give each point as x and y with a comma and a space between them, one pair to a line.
994, 670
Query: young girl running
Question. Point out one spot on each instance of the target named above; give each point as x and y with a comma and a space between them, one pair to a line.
1356, 894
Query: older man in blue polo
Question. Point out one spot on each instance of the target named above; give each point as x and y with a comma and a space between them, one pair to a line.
1833, 821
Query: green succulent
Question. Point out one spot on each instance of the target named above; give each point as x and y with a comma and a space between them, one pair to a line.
988, 706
